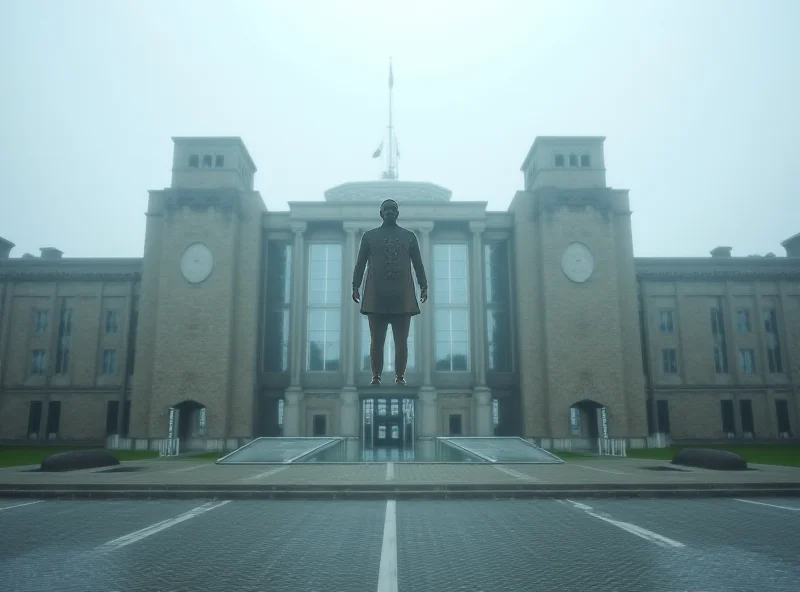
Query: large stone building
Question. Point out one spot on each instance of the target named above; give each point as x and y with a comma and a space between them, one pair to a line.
541, 323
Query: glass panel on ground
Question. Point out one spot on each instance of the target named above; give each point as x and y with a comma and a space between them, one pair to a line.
276, 450
503, 450
389, 445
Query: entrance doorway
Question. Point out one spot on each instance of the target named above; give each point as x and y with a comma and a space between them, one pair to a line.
189, 424
387, 423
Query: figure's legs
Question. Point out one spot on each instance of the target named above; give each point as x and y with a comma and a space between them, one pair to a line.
378, 325
400, 327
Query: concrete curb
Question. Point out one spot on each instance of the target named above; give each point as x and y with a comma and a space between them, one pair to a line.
392, 487
264, 493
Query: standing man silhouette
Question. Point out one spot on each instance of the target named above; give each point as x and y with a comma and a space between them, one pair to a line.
389, 297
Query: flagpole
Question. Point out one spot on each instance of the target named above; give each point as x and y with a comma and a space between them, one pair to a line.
391, 173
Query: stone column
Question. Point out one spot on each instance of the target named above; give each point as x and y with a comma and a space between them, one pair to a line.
298, 302
348, 396
428, 412
483, 411
427, 312
349, 416
478, 306
481, 395
292, 420
350, 334
292, 410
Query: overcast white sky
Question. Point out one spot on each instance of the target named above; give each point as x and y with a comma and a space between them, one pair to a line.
698, 100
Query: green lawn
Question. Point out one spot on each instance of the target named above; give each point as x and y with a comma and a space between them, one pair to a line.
788, 455
15, 456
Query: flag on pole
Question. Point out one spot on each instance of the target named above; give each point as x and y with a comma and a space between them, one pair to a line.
391, 76
396, 149
377, 152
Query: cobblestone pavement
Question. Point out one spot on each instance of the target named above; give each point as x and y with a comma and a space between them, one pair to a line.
710, 545
187, 472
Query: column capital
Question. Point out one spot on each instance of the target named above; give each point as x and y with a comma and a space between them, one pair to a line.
297, 226
351, 226
477, 226
424, 227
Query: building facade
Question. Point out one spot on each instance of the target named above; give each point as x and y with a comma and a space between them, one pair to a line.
237, 322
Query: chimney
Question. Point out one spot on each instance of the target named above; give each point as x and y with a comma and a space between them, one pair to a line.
5, 248
50, 253
792, 245
721, 251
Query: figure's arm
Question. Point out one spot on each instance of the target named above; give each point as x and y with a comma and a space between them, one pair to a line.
361, 262
416, 261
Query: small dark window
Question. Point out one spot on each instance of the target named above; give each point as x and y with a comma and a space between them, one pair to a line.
37, 362
132, 341
662, 412
746, 409
109, 362
669, 361
40, 318
747, 361
743, 321
194, 161
53, 417
126, 418
206, 161
455, 424
112, 321
34, 419
573, 160
112, 415
219, 161
666, 322
728, 424
320, 425
586, 162
559, 160
782, 412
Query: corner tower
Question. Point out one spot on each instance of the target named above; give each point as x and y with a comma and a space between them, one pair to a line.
198, 310
581, 362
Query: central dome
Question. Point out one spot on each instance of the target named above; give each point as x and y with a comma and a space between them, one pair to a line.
402, 191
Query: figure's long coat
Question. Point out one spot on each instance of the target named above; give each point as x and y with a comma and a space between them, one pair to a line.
390, 251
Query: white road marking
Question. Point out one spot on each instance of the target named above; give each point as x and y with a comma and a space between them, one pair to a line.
515, 474
643, 533
390, 471
20, 505
601, 470
762, 504
264, 474
387, 575
132, 537
183, 470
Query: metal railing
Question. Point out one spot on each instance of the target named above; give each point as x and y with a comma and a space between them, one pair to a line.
169, 447
612, 447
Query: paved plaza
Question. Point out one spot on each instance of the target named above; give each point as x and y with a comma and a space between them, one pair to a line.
713, 545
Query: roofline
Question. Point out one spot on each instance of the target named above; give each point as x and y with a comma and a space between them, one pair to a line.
563, 140
237, 139
790, 239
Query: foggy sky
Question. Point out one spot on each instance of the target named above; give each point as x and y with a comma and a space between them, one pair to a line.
698, 101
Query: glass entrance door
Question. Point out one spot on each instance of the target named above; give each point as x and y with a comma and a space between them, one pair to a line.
387, 425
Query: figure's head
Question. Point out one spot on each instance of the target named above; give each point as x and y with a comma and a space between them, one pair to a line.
389, 211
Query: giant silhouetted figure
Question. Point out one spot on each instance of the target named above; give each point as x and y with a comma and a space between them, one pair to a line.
389, 296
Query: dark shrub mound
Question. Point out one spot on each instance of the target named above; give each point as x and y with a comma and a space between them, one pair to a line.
78, 459
709, 458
